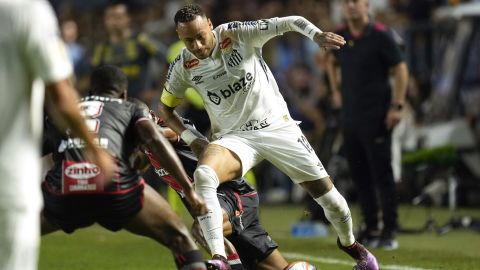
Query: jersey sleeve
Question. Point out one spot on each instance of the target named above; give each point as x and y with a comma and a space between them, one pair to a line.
259, 32
175, 85
44, 48
390, 49
140, 113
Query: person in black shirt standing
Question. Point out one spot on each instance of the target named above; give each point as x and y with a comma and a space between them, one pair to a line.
75, 194
370, 110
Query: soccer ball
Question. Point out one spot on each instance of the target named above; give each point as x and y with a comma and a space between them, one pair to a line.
300, 266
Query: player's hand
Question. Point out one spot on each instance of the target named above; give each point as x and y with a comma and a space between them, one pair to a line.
197, 205
336, 99
106, 163
197, 233
329, 40
393, 118
198, 145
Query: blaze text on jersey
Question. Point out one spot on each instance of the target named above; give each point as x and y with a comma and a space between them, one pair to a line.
231, 89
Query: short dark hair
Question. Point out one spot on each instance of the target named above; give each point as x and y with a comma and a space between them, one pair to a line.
114, 3
108, 79
188, 13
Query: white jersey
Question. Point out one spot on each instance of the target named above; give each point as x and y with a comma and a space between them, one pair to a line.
238, 89
30, 51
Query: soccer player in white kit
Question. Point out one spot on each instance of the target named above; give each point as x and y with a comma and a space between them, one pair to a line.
31, 52
249, 117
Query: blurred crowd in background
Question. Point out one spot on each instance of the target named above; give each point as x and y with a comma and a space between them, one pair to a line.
441, 50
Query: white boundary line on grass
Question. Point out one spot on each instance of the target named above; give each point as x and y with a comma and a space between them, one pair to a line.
292, 255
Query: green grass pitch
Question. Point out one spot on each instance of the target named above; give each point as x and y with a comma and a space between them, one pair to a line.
96, 248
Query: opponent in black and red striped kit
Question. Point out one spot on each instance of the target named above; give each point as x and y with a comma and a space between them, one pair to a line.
76, 195
240, 202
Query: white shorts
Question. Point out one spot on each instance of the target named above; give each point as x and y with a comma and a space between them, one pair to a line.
286, 148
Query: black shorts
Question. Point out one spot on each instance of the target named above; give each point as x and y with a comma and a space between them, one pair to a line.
252, 242
111, 210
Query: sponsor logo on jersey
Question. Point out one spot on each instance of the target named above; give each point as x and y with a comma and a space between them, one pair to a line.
244, 83
216, 76
82, 171
197, 79
214, 97
77, 143
255, 125
225, 43
234, 25
161, 172
191, 64
263, 24
300, 23
235, 59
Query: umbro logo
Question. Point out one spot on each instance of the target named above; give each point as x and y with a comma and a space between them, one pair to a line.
197, 79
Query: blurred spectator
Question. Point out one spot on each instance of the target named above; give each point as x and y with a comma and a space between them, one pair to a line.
370, 110
76, 52
131, 51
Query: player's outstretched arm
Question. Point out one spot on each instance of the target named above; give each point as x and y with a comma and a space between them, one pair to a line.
327, 40
166, 155
61, 102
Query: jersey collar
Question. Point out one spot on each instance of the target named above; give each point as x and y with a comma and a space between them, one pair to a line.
215, 48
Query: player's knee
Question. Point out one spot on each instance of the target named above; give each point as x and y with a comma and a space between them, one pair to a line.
205, 178
333, 201
318, 188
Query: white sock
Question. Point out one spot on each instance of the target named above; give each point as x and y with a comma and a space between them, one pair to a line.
206, 183
337, 212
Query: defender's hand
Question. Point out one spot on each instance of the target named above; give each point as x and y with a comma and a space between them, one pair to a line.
196, 203
336, 99
329, 40
198, 146
105, 162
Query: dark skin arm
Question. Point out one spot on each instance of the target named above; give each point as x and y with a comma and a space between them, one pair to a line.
61, 102
163, 151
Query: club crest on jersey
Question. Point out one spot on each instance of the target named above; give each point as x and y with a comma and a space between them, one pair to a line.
191, 64
214, 98
235, 59
226, 44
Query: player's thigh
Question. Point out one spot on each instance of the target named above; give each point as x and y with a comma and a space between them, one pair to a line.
289, 151
226, 163
234, 155
158, 221
227, 225
274, 261
19, 238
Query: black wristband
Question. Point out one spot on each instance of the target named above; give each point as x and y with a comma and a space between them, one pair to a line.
396, 106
